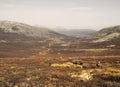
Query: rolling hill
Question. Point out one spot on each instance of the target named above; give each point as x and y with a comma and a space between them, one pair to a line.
107, 34
17, 28
20, 40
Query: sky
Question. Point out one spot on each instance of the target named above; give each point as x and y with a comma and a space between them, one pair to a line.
71, 14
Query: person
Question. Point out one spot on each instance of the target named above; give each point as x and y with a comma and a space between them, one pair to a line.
99, 64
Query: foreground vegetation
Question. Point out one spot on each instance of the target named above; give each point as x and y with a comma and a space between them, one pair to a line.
61, 62
59, 71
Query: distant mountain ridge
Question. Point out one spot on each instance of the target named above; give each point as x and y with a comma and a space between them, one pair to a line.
75, 32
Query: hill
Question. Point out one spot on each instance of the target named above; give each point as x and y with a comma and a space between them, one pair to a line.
107, 34
20, 40
26, 30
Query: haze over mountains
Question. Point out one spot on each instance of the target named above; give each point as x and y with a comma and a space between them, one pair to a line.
75, 32
10, 27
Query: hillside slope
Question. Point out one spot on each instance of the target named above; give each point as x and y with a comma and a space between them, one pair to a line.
26, 30
20, 40
107, 34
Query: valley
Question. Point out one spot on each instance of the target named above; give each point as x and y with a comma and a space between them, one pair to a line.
57, 60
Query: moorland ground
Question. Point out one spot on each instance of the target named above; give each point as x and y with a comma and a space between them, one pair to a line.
55, 65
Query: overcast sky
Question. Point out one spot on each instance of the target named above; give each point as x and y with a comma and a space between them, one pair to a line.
84, 14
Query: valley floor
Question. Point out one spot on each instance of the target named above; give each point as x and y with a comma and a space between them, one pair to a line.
60, 70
